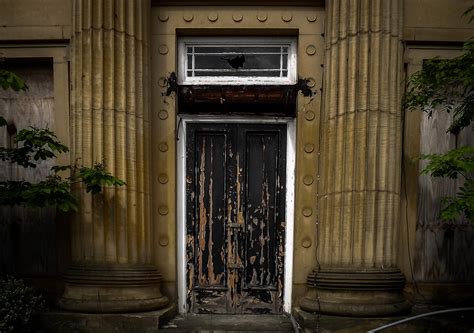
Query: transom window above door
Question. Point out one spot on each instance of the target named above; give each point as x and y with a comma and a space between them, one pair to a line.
237, 60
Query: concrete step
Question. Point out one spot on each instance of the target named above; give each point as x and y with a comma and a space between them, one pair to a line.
228, 323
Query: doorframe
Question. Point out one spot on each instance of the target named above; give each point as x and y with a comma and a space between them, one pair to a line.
182, 122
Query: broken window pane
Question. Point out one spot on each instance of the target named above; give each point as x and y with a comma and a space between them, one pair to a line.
237, 61
221, 60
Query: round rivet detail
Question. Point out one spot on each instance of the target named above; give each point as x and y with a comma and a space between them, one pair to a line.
163, 147
164, 241
287, 17
309, 115
309, 148
162, 82
163, 178
311, 18
212, 17
237, 17
306, 243
308, 180
188, 17
163, 210
163, 17
311, 83
163, 49
262, 17
311, 50
163, 114
307, 212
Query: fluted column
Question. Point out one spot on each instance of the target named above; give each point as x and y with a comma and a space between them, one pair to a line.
111, 244
360, 162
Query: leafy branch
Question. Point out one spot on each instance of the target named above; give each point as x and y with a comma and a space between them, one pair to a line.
453, 164
9, 80
448, 85
34, 145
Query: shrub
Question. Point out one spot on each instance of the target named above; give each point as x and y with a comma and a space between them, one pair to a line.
18, 302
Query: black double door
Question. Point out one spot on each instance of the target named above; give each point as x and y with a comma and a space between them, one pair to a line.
235, 218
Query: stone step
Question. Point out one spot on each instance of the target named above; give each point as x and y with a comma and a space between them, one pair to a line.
229, 323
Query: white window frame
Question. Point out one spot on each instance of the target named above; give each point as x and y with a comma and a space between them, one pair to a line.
185, 42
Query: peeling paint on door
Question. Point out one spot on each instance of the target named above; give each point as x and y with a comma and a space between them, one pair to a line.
235, 217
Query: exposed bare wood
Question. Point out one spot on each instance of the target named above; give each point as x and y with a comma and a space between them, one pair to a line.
27, 236
235, 226
444, 250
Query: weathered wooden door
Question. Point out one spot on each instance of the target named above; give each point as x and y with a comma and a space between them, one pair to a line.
235, 182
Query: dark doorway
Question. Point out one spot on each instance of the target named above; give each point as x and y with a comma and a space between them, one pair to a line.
235, 199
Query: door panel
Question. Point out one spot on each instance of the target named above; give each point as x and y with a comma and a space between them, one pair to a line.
235, 181
264, 267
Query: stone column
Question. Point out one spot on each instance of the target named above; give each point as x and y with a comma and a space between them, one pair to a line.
111, 236
359, 196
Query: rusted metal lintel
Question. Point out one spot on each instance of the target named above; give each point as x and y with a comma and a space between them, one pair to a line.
241, 99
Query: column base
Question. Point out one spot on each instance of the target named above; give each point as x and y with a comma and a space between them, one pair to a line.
111, 288
357, 293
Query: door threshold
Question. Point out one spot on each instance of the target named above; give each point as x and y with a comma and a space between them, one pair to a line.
229, 323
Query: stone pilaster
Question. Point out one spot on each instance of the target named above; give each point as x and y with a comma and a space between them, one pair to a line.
360, 162
111, 244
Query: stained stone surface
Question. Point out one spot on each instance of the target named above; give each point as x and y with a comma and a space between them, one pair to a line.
63, 321
229, 323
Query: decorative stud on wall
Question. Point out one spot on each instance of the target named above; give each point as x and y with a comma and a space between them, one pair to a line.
237, 17
212, 17
311, 18
163, 49
308, 148
262, 17
188, 17
163, 178
162, 82
163, 210
163, 114
311, 50
306, 243
309, 115
163, 147
163, 17
287, 17
308, 180
164, 241
307, 211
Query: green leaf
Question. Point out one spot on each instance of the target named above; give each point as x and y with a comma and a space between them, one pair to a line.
9, 80
455, 162
96, 177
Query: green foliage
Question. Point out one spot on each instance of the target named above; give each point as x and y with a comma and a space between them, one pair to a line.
35, 144
40, 144
455, 163
9, 80
17, 305
448, 84
54, 191
468, 12
462, 203
96, 177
